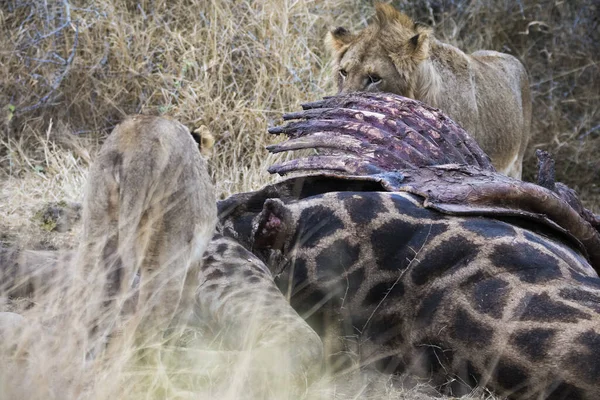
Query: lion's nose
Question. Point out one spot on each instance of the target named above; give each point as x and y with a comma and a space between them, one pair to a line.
346, 89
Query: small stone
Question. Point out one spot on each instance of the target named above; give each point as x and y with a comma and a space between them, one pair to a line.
59, 216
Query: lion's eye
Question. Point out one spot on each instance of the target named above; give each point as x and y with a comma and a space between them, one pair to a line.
374, 79
343, 73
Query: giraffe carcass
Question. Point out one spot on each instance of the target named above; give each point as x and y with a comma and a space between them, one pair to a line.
425, 259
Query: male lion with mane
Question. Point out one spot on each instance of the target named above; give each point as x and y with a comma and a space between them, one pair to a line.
486, 92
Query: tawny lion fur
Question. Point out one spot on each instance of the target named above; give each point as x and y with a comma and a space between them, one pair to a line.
149, 208
149, 214
486, 92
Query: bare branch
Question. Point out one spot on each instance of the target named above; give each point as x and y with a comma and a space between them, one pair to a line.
57, 82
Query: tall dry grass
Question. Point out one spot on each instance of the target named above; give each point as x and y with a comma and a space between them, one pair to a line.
71, 69
235, 66
232, 66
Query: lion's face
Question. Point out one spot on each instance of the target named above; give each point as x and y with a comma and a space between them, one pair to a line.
376, 72
383, 56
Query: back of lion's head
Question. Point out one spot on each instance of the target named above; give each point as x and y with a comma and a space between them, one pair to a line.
381, 57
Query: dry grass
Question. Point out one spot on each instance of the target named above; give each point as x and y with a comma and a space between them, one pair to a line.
70, 70
236, 66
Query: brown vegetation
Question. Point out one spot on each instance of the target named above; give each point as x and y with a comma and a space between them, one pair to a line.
235, 67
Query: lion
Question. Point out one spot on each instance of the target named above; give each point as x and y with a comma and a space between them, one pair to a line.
149, 214
149, 210
487, 92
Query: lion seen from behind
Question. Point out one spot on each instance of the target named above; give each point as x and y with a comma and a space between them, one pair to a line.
149, 210
149, 214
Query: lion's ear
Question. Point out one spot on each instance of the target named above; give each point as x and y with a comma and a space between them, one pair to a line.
414, 41
419, 43
338, 39
204, 139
